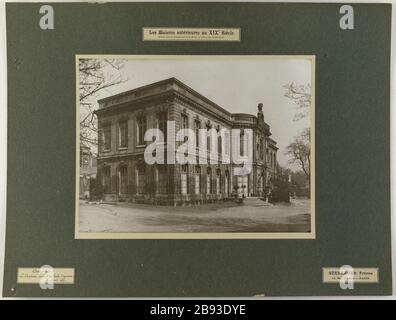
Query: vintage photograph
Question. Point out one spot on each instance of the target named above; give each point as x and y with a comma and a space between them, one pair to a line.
211, 147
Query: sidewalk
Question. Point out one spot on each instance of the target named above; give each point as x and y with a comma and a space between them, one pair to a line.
253, 215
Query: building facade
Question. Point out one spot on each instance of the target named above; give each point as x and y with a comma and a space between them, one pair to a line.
123, 174
87, 172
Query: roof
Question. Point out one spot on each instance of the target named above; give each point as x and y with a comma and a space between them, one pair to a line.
238, 117
172, 80
242, 115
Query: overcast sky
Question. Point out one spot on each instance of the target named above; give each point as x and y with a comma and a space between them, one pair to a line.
236, 84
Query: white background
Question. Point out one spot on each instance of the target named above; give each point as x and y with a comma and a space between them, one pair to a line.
3, 126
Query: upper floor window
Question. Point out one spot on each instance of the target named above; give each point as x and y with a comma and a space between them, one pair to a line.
197, 127
227, 143
162, 123
141, 129
184, 124
85, 162
209, 138
258, 150
122, 134
271, 158
219, 144
267, 159
242, 143
105, 138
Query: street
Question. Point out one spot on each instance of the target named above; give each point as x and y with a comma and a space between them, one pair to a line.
254, 215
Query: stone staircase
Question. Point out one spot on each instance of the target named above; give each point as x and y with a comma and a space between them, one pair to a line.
256, 201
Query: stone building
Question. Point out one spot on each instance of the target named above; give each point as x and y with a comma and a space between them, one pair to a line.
123, 174
271, 163
87, 172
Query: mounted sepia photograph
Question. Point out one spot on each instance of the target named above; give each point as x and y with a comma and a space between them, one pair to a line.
208, 149
195, 147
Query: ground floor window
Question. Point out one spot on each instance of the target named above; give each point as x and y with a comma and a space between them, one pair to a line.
184, 179
123, 180
208, 181
260, 183
226, 175
141, 179
162, 180
218, 182
197, 179
106, 179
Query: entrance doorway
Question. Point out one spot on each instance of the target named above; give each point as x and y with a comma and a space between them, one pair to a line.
243, 185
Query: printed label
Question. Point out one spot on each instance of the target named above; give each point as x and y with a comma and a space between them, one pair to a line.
35, 275
360, 275
191, 34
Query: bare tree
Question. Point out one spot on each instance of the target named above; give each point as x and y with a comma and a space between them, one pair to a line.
299, 151
301, 95
95, 75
